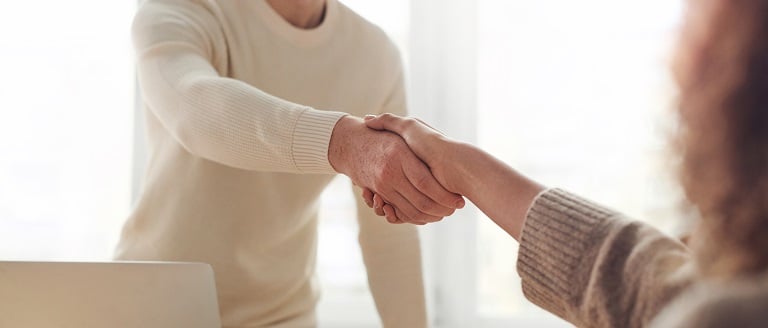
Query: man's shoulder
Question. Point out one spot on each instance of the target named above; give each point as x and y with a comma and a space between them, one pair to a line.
199, 17
742, 303
181, 3
366, 34
181, 7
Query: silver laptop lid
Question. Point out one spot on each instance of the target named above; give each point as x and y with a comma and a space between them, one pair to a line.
109, 294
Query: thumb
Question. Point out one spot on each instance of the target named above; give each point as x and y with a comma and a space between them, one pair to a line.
384, 121
373, 122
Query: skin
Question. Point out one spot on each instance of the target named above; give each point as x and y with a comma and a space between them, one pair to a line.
383, 162
373, 160
304, 14
502, 193
376, 160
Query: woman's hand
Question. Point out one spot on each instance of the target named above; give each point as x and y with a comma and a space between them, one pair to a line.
503, 194
431, 146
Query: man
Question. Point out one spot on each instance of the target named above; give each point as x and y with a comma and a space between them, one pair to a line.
238, 96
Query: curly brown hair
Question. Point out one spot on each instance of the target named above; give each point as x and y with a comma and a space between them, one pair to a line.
722, 71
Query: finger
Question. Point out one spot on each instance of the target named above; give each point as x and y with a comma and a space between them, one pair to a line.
385, 121
393, 215
408, 220
399, 217
368, 197
420, 201
404, 218
429, 126
390, 214
399, 202
425, 183
378, 204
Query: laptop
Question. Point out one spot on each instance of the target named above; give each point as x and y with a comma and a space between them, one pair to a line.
108, 294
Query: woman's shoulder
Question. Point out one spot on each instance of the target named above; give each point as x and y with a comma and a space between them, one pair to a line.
740, 303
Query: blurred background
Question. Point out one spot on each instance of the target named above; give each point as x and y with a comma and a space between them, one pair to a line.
576, 94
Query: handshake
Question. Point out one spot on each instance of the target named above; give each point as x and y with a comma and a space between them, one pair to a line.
408, 171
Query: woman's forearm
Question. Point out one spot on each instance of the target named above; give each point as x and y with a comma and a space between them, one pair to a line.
503, 194
498, 190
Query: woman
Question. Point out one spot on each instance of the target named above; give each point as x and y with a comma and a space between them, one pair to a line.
596, 268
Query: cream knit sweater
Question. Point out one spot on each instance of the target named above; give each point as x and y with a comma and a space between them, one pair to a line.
238, 133
596, 268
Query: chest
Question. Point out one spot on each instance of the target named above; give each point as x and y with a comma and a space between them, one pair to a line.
339, 75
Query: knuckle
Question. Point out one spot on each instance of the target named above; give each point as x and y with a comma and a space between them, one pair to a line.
377, 185
391, 166
379, 171
380, 180
385, 170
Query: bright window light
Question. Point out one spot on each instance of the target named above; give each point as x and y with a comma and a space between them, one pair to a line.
66, 93
577, 95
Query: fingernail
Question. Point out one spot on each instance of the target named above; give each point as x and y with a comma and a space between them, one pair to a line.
369, 117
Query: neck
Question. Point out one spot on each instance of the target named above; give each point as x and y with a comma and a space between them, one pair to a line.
304, 14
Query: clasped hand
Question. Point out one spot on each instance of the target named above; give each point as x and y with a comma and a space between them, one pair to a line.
429, 145
381, 162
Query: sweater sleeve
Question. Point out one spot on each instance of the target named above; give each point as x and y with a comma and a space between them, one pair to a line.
595, 268
392, 253
214, 117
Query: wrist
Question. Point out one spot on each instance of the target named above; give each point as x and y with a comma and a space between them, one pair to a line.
340, 145
463, 158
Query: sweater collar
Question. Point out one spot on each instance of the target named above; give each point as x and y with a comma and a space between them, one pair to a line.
297, 36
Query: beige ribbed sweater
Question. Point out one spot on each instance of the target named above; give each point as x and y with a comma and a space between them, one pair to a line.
238, 135
595, 268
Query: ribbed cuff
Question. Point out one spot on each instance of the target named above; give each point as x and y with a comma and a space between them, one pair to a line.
560, 235
311, 137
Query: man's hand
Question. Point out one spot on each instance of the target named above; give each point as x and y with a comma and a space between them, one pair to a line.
382, 162
431, 146
503, 194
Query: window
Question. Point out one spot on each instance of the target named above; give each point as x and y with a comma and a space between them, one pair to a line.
576, 95
537, 83
66, 94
